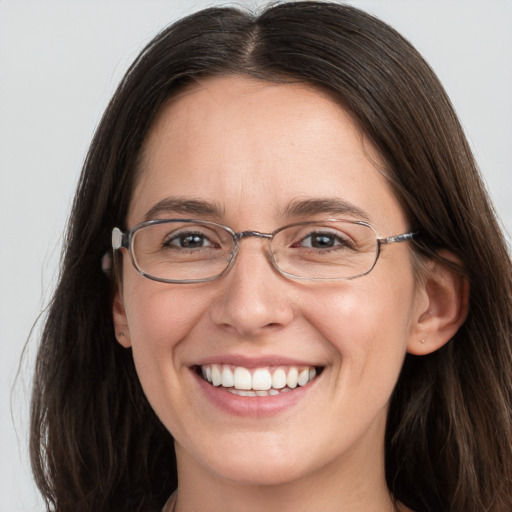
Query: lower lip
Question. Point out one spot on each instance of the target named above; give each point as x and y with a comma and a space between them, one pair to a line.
252, 406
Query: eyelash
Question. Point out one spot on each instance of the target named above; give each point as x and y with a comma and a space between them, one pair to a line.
339, 242
167, 243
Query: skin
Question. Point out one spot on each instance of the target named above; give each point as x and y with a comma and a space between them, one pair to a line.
253, 148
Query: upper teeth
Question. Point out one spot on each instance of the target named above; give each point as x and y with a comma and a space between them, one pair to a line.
260, 379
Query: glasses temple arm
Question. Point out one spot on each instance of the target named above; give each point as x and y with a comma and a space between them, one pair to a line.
398, 238
119, 239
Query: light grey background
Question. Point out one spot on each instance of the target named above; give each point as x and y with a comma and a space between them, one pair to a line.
59, 64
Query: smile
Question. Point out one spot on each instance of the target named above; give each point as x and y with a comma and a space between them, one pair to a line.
259, 381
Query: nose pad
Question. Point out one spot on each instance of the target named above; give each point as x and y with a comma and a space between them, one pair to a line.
254, 296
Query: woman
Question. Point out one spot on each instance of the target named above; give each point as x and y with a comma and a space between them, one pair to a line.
304, 300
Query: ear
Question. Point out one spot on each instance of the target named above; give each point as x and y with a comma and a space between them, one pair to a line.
444, 308
120, 320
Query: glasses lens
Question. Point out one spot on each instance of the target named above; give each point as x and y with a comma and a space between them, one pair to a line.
182, 251
327, 250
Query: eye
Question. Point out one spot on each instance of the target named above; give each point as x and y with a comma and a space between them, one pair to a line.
325, 240
188, 240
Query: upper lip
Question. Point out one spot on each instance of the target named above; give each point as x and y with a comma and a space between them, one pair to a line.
255, 362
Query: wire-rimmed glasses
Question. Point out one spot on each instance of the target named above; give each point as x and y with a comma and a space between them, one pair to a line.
194, 251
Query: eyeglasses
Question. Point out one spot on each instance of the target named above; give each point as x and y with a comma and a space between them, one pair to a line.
195, 251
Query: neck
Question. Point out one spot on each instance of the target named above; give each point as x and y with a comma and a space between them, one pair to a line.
171, 505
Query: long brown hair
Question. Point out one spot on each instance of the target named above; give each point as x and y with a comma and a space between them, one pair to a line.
97, 445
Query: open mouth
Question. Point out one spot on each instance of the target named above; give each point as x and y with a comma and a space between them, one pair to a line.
258, 381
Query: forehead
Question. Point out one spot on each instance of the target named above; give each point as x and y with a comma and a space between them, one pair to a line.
248, 145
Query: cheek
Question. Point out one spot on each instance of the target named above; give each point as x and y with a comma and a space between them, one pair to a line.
160, 316
367, 327
366, 315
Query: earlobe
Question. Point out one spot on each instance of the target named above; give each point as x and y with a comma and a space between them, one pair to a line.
120, 321
447, 301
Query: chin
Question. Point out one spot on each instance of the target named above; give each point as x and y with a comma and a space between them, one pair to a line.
260, 464
265, 474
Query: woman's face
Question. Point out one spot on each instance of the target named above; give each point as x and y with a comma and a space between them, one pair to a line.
256, 156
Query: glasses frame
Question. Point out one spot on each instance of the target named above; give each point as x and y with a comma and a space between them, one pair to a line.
124, 240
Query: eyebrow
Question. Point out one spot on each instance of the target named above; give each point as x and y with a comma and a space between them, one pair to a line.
182, 205
296, 208
328, 206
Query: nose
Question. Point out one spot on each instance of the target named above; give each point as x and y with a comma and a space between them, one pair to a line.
254, 298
